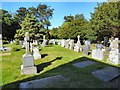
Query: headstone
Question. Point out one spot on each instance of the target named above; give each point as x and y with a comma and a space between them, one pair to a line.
63, 43
83, 64
98, 54
1, 47
35, 42
66, 43
86, 47
44, 43
78, 47
114, 54
106, 40
71, 43
48, 82
36, 53
28, 61
107, 74
24, 43
53, 42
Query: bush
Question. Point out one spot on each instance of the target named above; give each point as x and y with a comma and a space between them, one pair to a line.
17, 42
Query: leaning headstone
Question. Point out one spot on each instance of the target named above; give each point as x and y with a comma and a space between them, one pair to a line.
83, 64
36, 53
107, 74
86, 47
48, 82
28, 61
71, 43
78, 47
1, 47
114, 54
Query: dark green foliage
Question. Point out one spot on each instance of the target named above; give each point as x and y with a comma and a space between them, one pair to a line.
105, 20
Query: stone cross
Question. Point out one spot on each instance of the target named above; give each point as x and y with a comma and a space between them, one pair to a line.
27, 43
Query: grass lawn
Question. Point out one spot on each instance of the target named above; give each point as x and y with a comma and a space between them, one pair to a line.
55, 60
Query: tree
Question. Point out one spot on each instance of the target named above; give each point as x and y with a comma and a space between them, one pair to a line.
105, 20
29, 24
8, 31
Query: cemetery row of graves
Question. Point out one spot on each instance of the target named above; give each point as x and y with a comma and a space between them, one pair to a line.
98, 53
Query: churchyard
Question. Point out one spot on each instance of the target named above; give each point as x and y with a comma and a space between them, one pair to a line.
81, 52
58, 66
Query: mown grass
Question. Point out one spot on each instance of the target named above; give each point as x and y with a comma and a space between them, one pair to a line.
55, 60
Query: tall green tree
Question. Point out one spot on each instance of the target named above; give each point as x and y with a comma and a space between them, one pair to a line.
29, 24
106, 20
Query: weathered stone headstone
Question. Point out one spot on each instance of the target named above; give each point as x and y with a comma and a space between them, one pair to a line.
83, 64
36, 53
66, 43
53, 42
71, 43
48, 82
28, 61
63, 43
106, 40
1, 47
107, 74
86, 47
44, 43
98, 54
114, 54
78, 47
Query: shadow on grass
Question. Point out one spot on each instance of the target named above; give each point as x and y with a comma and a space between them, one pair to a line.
43, 55
40, 67
68, 71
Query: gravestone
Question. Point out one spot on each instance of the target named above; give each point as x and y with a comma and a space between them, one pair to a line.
83, 64
107, 73
86, 47
98, 54
36, 53
1, 47
106, 40
66, 43
28, 61
114, 54
78, 47
63, 43
71, 43
48, 82
44, 43
24, 43
35, 42
53, 42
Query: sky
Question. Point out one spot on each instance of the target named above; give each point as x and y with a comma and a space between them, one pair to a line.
61, 9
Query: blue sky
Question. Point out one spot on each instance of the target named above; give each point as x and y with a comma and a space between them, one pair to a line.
61, 9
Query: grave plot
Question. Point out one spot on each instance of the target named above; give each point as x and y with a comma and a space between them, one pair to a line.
42, 83
83, 64
107, 74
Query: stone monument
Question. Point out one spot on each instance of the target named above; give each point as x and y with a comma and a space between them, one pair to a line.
114, 54
86, 47
36, 53
44, 43
28, 61
78, 47
71, 43
1, 47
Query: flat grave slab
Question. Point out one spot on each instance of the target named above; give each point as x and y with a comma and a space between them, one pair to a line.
107, 73
42, 83
83, 64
